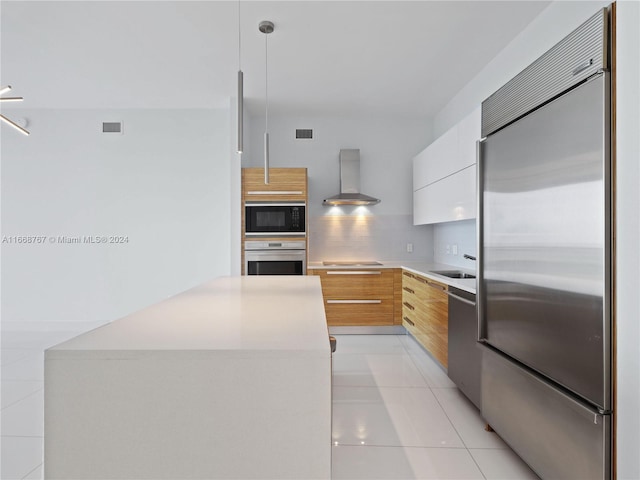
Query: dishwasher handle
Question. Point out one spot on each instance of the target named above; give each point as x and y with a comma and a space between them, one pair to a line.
463, 300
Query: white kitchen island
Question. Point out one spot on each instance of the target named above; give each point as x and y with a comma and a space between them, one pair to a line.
228, 380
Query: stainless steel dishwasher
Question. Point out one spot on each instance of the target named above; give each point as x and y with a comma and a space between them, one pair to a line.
465, 356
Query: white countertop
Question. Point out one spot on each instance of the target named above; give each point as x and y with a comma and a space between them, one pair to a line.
249, 315
425, 269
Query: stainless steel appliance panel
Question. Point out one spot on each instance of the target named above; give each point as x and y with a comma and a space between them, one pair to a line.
465, 354
275, 219
578, 56
545, 240
265, 257
278, 262
558, 437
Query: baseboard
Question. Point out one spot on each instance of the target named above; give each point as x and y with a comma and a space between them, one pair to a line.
383, 330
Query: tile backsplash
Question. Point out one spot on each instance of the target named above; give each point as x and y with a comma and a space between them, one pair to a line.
346, 235
452, 240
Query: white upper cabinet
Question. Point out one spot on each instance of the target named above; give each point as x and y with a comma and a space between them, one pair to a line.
442, 182
437, 160
469, 132
447, 200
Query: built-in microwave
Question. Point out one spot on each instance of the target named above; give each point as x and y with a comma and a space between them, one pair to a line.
275, 219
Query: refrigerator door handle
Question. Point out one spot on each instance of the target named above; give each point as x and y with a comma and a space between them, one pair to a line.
482, 323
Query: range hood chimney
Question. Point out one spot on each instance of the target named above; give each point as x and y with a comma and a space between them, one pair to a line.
350, 181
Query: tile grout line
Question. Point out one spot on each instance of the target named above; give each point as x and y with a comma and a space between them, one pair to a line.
22, 398
32, 470
449, 419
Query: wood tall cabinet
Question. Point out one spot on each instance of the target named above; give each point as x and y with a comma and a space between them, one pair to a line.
361, 297
285, 185
425, 313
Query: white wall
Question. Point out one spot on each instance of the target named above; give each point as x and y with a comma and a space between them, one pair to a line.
547, 29
386, 148
461, 234
627, 302
164, 184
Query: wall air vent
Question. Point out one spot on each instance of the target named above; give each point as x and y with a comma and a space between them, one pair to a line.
111, 127
304, 133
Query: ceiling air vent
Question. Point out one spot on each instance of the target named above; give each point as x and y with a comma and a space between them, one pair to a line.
304, 133
111, 127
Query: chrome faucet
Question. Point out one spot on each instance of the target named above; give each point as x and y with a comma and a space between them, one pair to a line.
469, 257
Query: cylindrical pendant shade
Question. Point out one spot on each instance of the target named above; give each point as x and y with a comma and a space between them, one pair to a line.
240, 111
266, 158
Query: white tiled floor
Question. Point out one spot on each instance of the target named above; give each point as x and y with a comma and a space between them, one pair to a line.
396, 414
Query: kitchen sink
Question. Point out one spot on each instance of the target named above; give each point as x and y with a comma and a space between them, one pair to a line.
454, 274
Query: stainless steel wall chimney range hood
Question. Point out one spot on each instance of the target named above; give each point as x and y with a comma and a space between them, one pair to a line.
350, 182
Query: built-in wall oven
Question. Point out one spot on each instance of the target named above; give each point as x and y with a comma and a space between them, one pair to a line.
275, 219
263, 257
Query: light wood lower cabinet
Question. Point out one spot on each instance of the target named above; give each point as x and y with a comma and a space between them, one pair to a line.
360, 297
425, 313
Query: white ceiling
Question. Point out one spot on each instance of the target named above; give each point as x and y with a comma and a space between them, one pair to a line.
325, 57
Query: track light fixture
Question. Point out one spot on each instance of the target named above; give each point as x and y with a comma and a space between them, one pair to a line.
9, 122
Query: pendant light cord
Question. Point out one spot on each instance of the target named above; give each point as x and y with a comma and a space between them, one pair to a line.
239, 40
266, 84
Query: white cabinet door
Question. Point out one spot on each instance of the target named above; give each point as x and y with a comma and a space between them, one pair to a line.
469, 132
450, 153
452, 198
435, 162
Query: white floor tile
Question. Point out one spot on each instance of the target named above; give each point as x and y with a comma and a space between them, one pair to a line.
19, 456
401, 463
368, 344
466, 419
30, 340
409, 417
370, 370
432, 372
24, 418
36, 474
411, 344
12, 355
29, 368
13, 391
502, 465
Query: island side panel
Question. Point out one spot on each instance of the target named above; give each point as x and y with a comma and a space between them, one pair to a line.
189, 415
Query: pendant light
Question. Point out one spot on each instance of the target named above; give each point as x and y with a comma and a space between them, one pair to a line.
11, 99
266, 27
240, 113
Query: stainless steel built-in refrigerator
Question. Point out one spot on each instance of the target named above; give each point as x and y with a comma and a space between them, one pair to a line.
544, 272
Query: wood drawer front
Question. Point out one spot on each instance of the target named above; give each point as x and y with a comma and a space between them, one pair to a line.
359, 314
284, 184
434, 342
357, 284
425, 313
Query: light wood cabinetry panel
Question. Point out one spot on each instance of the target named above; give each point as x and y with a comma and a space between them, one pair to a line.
397, 296
360, 297
285, 184
425, 313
